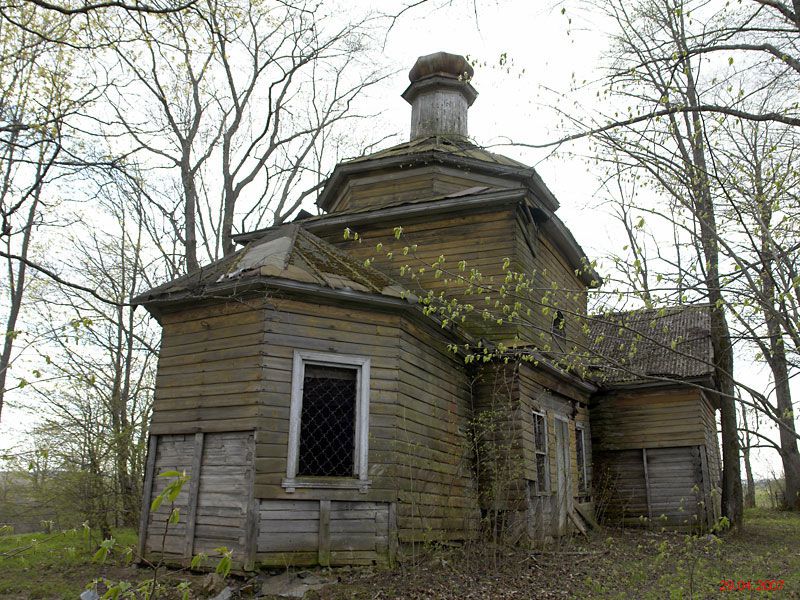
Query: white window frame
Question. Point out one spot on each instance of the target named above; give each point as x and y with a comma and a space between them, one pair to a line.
541, 490
579, 427
360, 478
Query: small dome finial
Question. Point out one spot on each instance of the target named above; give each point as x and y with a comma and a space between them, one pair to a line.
441, 63
440, 95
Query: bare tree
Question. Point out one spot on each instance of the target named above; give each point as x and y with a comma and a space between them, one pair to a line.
235, 98
101, 355
672, 153
33, 106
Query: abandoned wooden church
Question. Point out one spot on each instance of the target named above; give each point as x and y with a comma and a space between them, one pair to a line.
327, 412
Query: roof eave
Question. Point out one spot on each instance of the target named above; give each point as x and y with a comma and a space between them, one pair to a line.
527, 174
334, 220
702, 381
306, 290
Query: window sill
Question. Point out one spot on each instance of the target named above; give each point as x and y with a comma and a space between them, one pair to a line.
290, 485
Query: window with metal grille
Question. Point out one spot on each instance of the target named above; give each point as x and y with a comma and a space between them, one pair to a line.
580, 454
540, 448
328, 422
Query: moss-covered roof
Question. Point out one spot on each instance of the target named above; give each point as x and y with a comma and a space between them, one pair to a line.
639, 345
288, 252
446, 145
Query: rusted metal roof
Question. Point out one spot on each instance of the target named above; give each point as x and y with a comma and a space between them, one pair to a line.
642, 345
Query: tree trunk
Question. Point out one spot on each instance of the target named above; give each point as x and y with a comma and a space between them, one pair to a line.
750, 494
790, 456
190, 217
703, 211
17, 285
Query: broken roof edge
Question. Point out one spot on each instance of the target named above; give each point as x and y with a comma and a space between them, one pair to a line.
402, 209
526, 174
540, 360
704, 383
561, 235
309, 292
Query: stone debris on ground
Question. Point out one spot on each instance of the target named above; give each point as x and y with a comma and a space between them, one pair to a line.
294, 584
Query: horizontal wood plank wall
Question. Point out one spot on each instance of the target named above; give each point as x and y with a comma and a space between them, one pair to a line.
359, 532
374, 190
647, 419
432, 467
675, 479
540, 392
501, 426
293, 325
210, 376
293, 532
556, 285
620, 487
658, 487
223, 495
481, 239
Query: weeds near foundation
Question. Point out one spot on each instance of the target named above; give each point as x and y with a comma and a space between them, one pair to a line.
154, 587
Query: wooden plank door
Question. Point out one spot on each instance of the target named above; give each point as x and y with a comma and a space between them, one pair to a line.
563, 474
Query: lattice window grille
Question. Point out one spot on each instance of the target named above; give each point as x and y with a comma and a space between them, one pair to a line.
328, 422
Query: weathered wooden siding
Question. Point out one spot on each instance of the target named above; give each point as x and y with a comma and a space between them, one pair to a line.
544, 393
215, 504
308, 532
505, 399
499, 426
377, 189
675, 482
555, 285
656, 450
655, 487
223, 496
173, 453
619, 487
482, 239
653, 419
432, 460
210, 376
292, 325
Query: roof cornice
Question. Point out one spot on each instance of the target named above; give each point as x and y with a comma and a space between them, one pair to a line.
334, 220
553, 225
527, 175
229, 289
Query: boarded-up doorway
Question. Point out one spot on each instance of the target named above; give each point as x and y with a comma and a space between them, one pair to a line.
216, 506
563, 475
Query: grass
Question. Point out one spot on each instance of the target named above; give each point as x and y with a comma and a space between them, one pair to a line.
56, 565
612, 563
